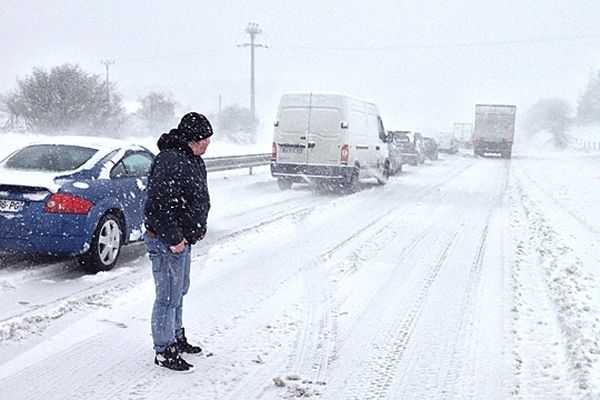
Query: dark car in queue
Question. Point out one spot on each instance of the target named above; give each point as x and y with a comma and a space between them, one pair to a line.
396, 148
410, 146
430, 148
79, 196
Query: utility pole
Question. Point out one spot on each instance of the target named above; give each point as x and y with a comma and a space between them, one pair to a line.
252, 30
107, 64
220, 104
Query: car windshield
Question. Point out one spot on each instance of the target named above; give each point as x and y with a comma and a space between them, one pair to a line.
50, 157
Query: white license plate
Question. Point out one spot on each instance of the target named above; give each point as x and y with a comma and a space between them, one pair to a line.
294, 150
11, 205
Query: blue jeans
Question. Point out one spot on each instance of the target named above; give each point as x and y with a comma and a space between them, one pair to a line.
169, 271
186, 286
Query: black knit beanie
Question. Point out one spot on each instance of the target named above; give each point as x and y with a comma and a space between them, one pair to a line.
194, 127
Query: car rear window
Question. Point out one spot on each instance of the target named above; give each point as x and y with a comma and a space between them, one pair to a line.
401, 138
50, 157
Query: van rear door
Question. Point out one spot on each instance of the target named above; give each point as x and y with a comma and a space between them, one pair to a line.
325, 135
309, 129
291, 134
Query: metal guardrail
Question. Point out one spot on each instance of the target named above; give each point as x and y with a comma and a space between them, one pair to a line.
589, 145
225, 163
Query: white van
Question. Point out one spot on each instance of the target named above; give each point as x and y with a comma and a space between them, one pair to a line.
329, 138
446, 141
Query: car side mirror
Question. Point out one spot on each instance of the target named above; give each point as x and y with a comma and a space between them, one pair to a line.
344, 125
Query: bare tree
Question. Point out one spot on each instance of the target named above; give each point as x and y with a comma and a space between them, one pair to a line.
157, 111
551, 114
588, 107
10, 104
66, 98
237, 124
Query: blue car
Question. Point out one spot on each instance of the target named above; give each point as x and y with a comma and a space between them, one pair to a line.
79, 196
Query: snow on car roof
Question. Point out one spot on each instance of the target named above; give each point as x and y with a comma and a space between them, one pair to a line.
93, 142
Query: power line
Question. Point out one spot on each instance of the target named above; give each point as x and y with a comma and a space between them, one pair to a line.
447, 45
177, 56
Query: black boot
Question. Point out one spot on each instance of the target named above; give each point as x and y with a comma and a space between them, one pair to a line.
184, 347
171, 359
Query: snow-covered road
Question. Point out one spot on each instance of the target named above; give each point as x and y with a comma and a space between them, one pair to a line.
465, 278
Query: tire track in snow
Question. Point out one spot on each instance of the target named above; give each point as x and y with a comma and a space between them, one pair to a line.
381, 387
397, 336
463, 328
327, 325
385, 343
388, 343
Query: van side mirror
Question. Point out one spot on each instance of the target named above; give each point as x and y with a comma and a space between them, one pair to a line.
276, 122
344, 125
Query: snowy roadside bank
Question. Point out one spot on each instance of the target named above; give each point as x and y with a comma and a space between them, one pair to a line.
554, 197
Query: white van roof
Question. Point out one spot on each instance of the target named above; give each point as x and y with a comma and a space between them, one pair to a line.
338, 96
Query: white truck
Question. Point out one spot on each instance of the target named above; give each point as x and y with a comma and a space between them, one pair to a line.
328, 138
463, 131
494, 129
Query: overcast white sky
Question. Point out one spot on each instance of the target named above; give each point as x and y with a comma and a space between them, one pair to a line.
424, 63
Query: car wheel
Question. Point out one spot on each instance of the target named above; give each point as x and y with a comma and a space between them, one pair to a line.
284, 184
105, 247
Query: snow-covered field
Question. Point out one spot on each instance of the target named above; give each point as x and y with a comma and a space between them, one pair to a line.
465, 278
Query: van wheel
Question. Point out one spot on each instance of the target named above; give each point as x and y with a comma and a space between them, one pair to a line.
351, 186
385, 174
284, 184
105, 247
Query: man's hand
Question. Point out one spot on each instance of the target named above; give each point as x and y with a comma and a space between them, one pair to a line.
179, 247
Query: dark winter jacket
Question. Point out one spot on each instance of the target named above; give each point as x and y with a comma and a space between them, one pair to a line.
178, 200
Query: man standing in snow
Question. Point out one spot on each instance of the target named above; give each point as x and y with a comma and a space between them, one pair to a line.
176, 213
